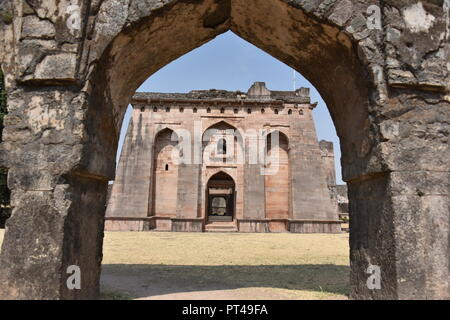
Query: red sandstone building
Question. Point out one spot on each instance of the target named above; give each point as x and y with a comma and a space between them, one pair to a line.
224, 161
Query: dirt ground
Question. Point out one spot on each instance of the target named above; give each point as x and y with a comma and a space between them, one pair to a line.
157, 265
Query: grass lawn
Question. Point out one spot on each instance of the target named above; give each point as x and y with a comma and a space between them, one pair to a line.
154, 265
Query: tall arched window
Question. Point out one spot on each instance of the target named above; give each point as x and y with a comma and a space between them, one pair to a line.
165, 174
222, 142
222, 146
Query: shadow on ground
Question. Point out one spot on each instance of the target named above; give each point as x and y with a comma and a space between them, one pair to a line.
146, 281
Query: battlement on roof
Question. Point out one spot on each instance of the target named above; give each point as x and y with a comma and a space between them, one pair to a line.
258, 92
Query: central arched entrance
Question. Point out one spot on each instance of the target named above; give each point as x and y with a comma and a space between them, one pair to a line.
220, 195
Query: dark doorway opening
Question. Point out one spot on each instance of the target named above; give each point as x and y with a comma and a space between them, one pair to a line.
221, 199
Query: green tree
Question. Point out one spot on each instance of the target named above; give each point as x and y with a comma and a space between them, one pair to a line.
4, 191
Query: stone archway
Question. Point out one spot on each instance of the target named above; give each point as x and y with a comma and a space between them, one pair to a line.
232, 134
69, 83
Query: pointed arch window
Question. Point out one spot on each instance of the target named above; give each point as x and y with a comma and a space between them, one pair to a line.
222, 147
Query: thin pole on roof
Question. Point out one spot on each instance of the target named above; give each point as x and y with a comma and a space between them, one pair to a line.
295, 79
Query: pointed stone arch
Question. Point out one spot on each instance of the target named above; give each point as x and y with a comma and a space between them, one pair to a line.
224, 124
165, 128
221, 172
380, 104
283, 134
234, 140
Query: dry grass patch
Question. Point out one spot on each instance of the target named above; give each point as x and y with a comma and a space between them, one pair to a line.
221, 265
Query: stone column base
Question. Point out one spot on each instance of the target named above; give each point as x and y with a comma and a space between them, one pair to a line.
158, 223
128, 224
315, 226
289, 225
253, 225
155, 223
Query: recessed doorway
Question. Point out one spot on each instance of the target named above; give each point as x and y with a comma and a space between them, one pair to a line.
220, 191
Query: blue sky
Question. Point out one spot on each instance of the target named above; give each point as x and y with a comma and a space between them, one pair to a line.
231, 63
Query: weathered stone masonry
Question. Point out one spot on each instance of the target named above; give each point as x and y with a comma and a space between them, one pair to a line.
151, 192
72, 66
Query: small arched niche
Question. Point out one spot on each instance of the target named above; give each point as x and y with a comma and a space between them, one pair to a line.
165, 169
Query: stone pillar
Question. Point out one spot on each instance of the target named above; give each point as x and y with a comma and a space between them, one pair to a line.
327, 150
131, 192
188, 199
254, 195
399, 220
254, 200
188, 216
254, 192
399, 207
311, 198
58, 197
